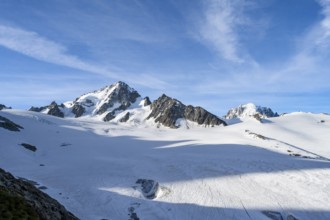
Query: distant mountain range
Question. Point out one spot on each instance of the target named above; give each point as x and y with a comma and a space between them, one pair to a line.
119, 103
249, 110
122, 104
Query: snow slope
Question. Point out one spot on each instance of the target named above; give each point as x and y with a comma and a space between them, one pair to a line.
247, 170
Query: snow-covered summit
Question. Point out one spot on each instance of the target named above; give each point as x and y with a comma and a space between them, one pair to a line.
105, 103
250, 109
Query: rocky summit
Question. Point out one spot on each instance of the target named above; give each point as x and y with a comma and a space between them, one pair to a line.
106, 103
167, 111
250, 110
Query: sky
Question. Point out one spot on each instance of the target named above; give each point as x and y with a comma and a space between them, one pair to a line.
217, 54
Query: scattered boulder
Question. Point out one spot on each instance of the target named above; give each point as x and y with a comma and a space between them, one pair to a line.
149, 188
23, 200
273, 215
29, 147
9, 125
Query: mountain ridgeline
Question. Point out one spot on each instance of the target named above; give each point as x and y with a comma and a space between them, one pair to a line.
250, 110
121, 103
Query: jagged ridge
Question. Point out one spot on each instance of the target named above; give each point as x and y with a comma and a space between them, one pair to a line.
249, 110
167, 111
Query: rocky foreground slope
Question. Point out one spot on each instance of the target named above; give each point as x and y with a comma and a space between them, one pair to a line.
19, 199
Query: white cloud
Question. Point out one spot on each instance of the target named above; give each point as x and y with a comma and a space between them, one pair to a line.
33, 45
220, 25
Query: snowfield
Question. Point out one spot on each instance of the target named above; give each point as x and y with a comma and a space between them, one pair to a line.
278, 169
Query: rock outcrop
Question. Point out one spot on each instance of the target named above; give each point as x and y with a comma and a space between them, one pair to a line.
9, 125
27, 201
167, 111
4, 107
53, 109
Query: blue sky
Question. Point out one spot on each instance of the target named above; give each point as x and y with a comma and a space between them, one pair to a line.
217, 54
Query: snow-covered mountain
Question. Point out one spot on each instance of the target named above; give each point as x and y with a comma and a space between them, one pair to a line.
250, 110
102, 170
120, 103
105, 103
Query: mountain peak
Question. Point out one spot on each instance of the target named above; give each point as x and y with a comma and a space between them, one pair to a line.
168, 111
250, 109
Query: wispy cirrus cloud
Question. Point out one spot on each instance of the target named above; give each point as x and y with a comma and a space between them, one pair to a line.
219, 28
33, 45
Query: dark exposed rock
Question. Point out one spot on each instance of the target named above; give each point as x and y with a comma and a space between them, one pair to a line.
9, 125
132, 214
40, 205
29, 147
125, 118
4, 107
149, 188
146, 101
109, 116
167, 111
54, 110
122, 95
273, 215
37, 109
201, 116
78, 110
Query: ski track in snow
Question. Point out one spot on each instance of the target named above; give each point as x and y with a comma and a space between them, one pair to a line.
204, 173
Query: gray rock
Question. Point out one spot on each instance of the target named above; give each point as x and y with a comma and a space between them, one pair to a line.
9, 125
125, 118
54, 110
46, 207
122, 95
29, 147
37, 109
146, 101
167, 111
78, 110
273, 215
4, 107
149, 188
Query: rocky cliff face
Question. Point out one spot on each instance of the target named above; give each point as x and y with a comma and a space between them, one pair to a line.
168, 111
250, 110
21, 200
